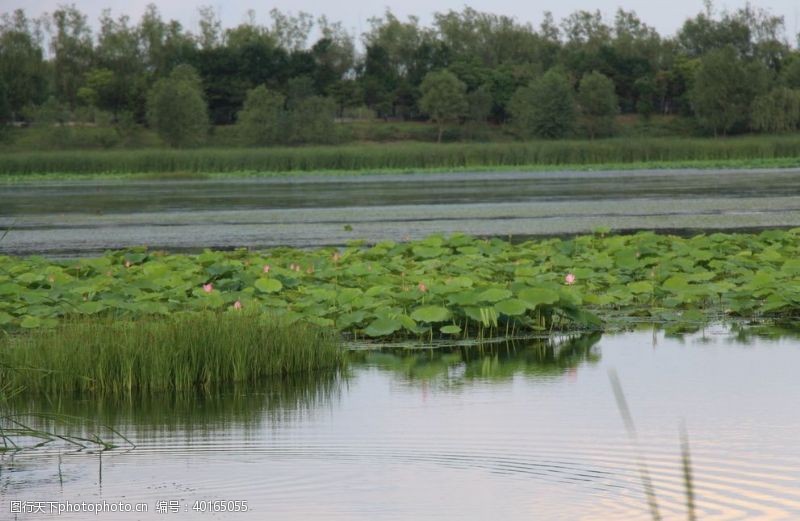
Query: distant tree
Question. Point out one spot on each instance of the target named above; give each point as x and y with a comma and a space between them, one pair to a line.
262, 119
311, 120
443, 99
177, 110
545, 108
778, 111
598, 103
479, 103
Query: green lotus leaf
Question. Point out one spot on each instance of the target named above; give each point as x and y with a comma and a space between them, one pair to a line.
511, 307
383, 327
450, 330
268, 285
29, 322
90, 308
494, 295
430, 314
535, 297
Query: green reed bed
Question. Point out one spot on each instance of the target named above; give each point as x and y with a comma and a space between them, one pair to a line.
183, 352
401, 156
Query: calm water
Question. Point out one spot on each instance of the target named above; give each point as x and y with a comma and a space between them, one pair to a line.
68, 218
530, 431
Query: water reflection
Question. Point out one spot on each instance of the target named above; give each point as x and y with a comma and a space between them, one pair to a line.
456, 365
275, 400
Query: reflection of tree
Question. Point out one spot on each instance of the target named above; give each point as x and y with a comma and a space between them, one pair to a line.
535, 358
245, 406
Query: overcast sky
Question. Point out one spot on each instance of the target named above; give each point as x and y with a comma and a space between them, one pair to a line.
666, 15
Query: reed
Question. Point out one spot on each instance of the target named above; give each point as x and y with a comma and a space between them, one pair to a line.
186, 351
401, 156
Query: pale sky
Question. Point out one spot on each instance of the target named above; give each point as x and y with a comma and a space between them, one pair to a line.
665, 15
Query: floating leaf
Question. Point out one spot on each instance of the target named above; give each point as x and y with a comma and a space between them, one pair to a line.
268, 285
431, 314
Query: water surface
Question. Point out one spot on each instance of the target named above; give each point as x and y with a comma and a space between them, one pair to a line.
524, 431
87, 217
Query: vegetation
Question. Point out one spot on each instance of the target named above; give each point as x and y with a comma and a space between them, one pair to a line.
598, 104
176, 109
407, 156
443, 99
448, 287
710, 73
179, 353
544, 109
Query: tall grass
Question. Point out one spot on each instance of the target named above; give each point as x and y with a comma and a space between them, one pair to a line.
199, 350
400, 156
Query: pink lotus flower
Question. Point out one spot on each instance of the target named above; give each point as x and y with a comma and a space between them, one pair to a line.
208, 288
422, 287
237, 305
569, 280
266, 268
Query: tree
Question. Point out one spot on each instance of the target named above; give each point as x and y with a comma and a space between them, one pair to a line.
723, 90
598, 103
262, 119
545, 108
311, 120
443, 99
176, 108
778, 111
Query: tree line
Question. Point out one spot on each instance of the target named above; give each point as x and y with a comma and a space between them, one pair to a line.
730, 72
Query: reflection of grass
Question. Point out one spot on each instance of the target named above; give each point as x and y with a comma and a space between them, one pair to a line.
497, 361
644, 473
190, 351
243, 405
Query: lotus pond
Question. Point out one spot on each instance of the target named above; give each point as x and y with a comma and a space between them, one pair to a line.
439, 287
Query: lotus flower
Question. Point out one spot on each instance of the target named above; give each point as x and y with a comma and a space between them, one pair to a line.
569, 280
208, 288
422, 287
237, 305
127, 264
266, 268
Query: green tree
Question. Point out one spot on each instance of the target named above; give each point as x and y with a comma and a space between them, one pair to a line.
262, 120
778, 111
176, 108
311, 120
545, 108
723, 90
443, 99
598, 104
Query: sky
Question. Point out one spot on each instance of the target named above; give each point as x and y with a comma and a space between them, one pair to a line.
665, 16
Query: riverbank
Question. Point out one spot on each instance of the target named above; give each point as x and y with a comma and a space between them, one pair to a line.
745, 152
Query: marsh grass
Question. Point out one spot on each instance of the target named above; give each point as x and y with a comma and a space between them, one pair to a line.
186, 351
401, 156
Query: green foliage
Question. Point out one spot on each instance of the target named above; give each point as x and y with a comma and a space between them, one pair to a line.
598, 104
179, 353
443, 98
262, 120
723, 90
781, 151
545, 108
777, 112
177, 110
311, 120
417, 289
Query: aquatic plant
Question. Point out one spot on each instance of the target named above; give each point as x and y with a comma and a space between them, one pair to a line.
407, 156
181, 352
439, 287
